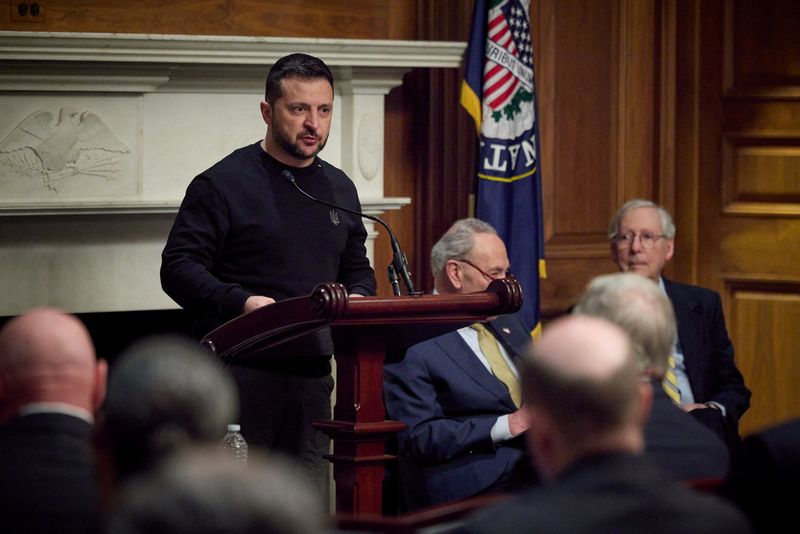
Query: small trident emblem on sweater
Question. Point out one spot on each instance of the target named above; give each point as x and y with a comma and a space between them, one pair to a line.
334, 217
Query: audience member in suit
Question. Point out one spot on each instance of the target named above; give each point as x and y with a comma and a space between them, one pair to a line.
586, 404
164, 393
711, 387
462, 423
50, 386
674, 440
199, 491
764, 477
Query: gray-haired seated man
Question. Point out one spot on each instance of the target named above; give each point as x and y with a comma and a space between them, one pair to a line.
458, 393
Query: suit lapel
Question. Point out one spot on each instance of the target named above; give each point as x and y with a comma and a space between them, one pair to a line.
690, 323
511, 334
454, 346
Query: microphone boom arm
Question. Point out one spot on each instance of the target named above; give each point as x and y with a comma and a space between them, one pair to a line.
399, 263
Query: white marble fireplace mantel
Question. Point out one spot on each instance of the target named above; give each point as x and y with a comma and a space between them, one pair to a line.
170, 87
82, 226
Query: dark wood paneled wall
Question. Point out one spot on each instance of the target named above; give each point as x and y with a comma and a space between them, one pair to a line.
364, 19
597, 67
693, 104
430, 147
739, 122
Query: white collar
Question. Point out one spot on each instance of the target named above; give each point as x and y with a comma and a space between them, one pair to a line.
56, 407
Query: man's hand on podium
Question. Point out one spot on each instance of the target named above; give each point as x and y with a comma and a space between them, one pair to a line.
257, 301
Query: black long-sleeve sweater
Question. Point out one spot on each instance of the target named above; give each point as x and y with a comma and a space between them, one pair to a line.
243, 230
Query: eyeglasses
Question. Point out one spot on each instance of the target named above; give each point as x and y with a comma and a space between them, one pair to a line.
647, 239
497, 276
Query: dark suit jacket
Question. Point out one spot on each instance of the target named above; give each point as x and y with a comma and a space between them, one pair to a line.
684, 448
618, 493
764, 476
707, 350
47, 480
449, 402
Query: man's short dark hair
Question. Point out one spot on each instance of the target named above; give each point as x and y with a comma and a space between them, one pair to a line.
294, 66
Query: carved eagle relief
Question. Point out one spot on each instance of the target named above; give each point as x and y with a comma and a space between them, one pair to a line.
77, 143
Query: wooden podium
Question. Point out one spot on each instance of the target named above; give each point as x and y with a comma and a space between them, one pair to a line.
365, 331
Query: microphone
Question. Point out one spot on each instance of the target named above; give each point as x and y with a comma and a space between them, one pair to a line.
399, 263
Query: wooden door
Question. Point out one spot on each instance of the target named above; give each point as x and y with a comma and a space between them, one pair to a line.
737, 185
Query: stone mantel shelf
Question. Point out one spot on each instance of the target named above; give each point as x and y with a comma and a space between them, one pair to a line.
370, 206
223, 50
144, 63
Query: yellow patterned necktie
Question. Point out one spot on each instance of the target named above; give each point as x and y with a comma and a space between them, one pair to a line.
670, 382
498, 364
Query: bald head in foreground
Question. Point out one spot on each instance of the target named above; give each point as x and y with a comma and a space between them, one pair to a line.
583, 395
50, 386
587, 406
48, 356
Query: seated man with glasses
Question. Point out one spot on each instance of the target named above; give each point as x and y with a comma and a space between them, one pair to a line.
709, 385
459, 393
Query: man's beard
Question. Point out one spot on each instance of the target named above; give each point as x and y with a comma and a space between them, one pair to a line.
291, 148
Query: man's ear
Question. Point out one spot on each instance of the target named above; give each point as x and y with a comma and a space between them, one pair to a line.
670, 250
100, 381
646, 401
453, 273
266, 112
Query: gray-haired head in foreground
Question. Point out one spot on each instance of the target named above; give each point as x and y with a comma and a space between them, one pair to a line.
456, 243
164, 393
202, 492
667, 226
638, 305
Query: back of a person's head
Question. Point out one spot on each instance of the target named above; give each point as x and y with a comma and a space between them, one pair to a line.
163, 393
636, 304
47, 355
583, 374
203, 492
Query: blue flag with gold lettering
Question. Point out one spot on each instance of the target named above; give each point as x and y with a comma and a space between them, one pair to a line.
498, 92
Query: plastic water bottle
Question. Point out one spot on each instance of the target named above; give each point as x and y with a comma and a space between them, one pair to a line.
234, 444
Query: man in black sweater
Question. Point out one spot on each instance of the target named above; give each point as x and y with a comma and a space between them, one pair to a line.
245, 238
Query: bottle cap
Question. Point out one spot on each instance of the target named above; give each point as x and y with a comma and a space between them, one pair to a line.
234, 428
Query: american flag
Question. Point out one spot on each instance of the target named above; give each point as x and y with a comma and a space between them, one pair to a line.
509, 30
498, 92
